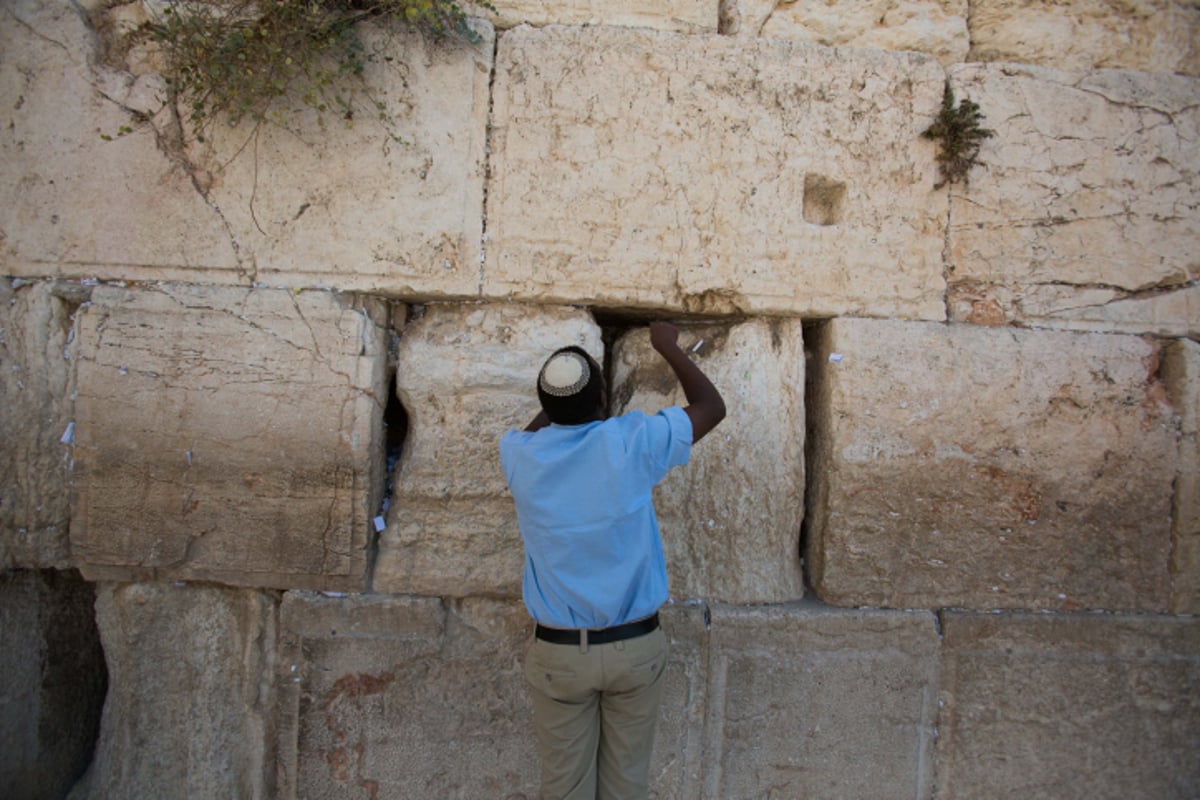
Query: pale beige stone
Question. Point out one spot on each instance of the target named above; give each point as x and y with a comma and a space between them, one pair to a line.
1145, 35
403, 697
679, 759
802, 697
1030, 699
53, 685
228, 434
684, 16
990, 468
190, 693
1084, 199
730, 518
85, 205
319, 205
36, 382
466, 373
1181, 372
714, 174
421, 697
1169, 312
936, 27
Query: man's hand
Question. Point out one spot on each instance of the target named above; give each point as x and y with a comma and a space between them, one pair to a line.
663, 335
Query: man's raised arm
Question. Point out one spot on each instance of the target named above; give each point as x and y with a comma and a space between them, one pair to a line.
705, 406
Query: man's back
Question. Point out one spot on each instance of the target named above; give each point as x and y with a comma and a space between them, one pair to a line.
583, 496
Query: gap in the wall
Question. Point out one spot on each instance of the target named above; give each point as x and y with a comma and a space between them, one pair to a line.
395, 423
816, 443
614, 325
395, 432
68, 675
75, 659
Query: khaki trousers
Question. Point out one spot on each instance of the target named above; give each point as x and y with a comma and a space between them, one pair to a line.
595, 707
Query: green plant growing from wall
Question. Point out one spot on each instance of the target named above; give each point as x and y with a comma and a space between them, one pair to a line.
266, 60
958, 132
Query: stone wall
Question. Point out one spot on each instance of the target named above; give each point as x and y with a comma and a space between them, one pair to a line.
946, 544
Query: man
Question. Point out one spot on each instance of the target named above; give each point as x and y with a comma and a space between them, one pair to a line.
595, 575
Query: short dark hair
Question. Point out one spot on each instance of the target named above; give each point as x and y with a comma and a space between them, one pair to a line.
583, 402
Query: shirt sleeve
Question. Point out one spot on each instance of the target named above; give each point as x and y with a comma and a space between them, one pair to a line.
507, 442
667, 442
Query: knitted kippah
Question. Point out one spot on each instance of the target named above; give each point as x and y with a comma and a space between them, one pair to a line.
565, 374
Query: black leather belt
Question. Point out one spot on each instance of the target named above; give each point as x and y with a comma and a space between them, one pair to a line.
616, 633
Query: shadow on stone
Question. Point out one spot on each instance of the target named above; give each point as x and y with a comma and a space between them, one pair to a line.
54, 682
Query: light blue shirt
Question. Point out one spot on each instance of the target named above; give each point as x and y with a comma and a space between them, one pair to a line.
593, 552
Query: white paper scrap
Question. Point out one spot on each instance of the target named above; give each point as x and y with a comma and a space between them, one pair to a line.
68, 436
380, 524
836, 358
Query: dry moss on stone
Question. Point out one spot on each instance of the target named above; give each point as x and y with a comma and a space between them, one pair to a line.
958, 132
240, 59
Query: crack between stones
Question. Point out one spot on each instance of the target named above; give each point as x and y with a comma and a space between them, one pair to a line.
487, 164
1124, 293
38, 34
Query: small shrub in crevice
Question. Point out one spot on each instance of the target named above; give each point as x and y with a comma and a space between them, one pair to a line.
264, 60
959, 135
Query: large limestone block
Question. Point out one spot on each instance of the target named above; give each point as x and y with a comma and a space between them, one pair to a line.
684, 16
318, 205
78, 204
403, 697
53, 683
190, 672
802, 697
36, 381
1181, 370
1079, 307
1083, 213
731, 517
678, 763
1079, 707
936, 27
465, 375
228, 434
1146, 35
990, 468
421, 697
714, 174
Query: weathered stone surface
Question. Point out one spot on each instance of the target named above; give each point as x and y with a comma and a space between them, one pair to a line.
228, 434
714, 174
936, 27
336, 206
731, 517
1087, 197
87, 205
392, 696
403, 697
678, 763
685, 16
36, 382
190, 693
1146, 35
1081, 706
465, 375
802, 697
1181, 371
1173, 312
990, 468
53, 683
